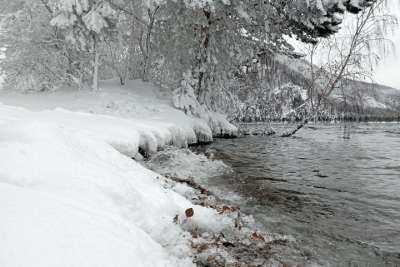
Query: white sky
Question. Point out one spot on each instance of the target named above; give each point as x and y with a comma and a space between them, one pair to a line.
388, 71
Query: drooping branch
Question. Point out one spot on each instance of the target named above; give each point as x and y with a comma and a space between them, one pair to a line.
357, 40
295, 130
46, 5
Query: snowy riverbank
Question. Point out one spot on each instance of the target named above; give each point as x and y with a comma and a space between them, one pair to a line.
139, 102
70, 194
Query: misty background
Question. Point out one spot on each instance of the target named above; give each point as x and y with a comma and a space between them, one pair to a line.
388, 70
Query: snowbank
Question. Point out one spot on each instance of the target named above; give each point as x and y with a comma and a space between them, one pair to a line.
70, 194
136, 101
68, 197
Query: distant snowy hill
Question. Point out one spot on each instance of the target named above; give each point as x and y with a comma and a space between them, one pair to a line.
371, 97
278, 90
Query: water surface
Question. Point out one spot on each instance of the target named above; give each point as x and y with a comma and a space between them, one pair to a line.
339, 198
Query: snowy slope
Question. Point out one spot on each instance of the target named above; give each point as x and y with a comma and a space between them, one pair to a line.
68, 197
70, 194
135, 101
375, 96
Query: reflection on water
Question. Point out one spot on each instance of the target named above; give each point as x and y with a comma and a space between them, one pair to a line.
340, 198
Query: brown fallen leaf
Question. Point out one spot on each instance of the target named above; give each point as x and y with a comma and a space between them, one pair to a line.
189, 213
227, 209
257, 236
224, 209
204, 191
201, 247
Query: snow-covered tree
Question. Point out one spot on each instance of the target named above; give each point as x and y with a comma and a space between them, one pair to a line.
84, 23
161, 40
35, 55
351, 54
214, 39
317, 18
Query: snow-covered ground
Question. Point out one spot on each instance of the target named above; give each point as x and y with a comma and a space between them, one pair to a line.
135, 101
70, 194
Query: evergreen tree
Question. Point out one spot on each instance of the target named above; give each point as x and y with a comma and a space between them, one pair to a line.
84, 23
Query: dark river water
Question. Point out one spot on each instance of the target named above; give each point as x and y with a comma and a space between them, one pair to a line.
339, 198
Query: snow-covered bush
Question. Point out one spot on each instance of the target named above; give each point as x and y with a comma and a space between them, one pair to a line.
83, 24
185, 99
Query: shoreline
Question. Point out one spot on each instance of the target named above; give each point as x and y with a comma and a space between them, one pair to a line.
79, 180
243, 243
89, 139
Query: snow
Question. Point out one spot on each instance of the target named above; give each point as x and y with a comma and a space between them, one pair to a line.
184, 163
137, 101
371, 102
95, 21
70, 194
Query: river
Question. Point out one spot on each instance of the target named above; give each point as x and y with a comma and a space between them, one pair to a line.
339, 198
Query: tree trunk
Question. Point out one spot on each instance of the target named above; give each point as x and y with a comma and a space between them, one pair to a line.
147, 50
95, 84
205, 31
